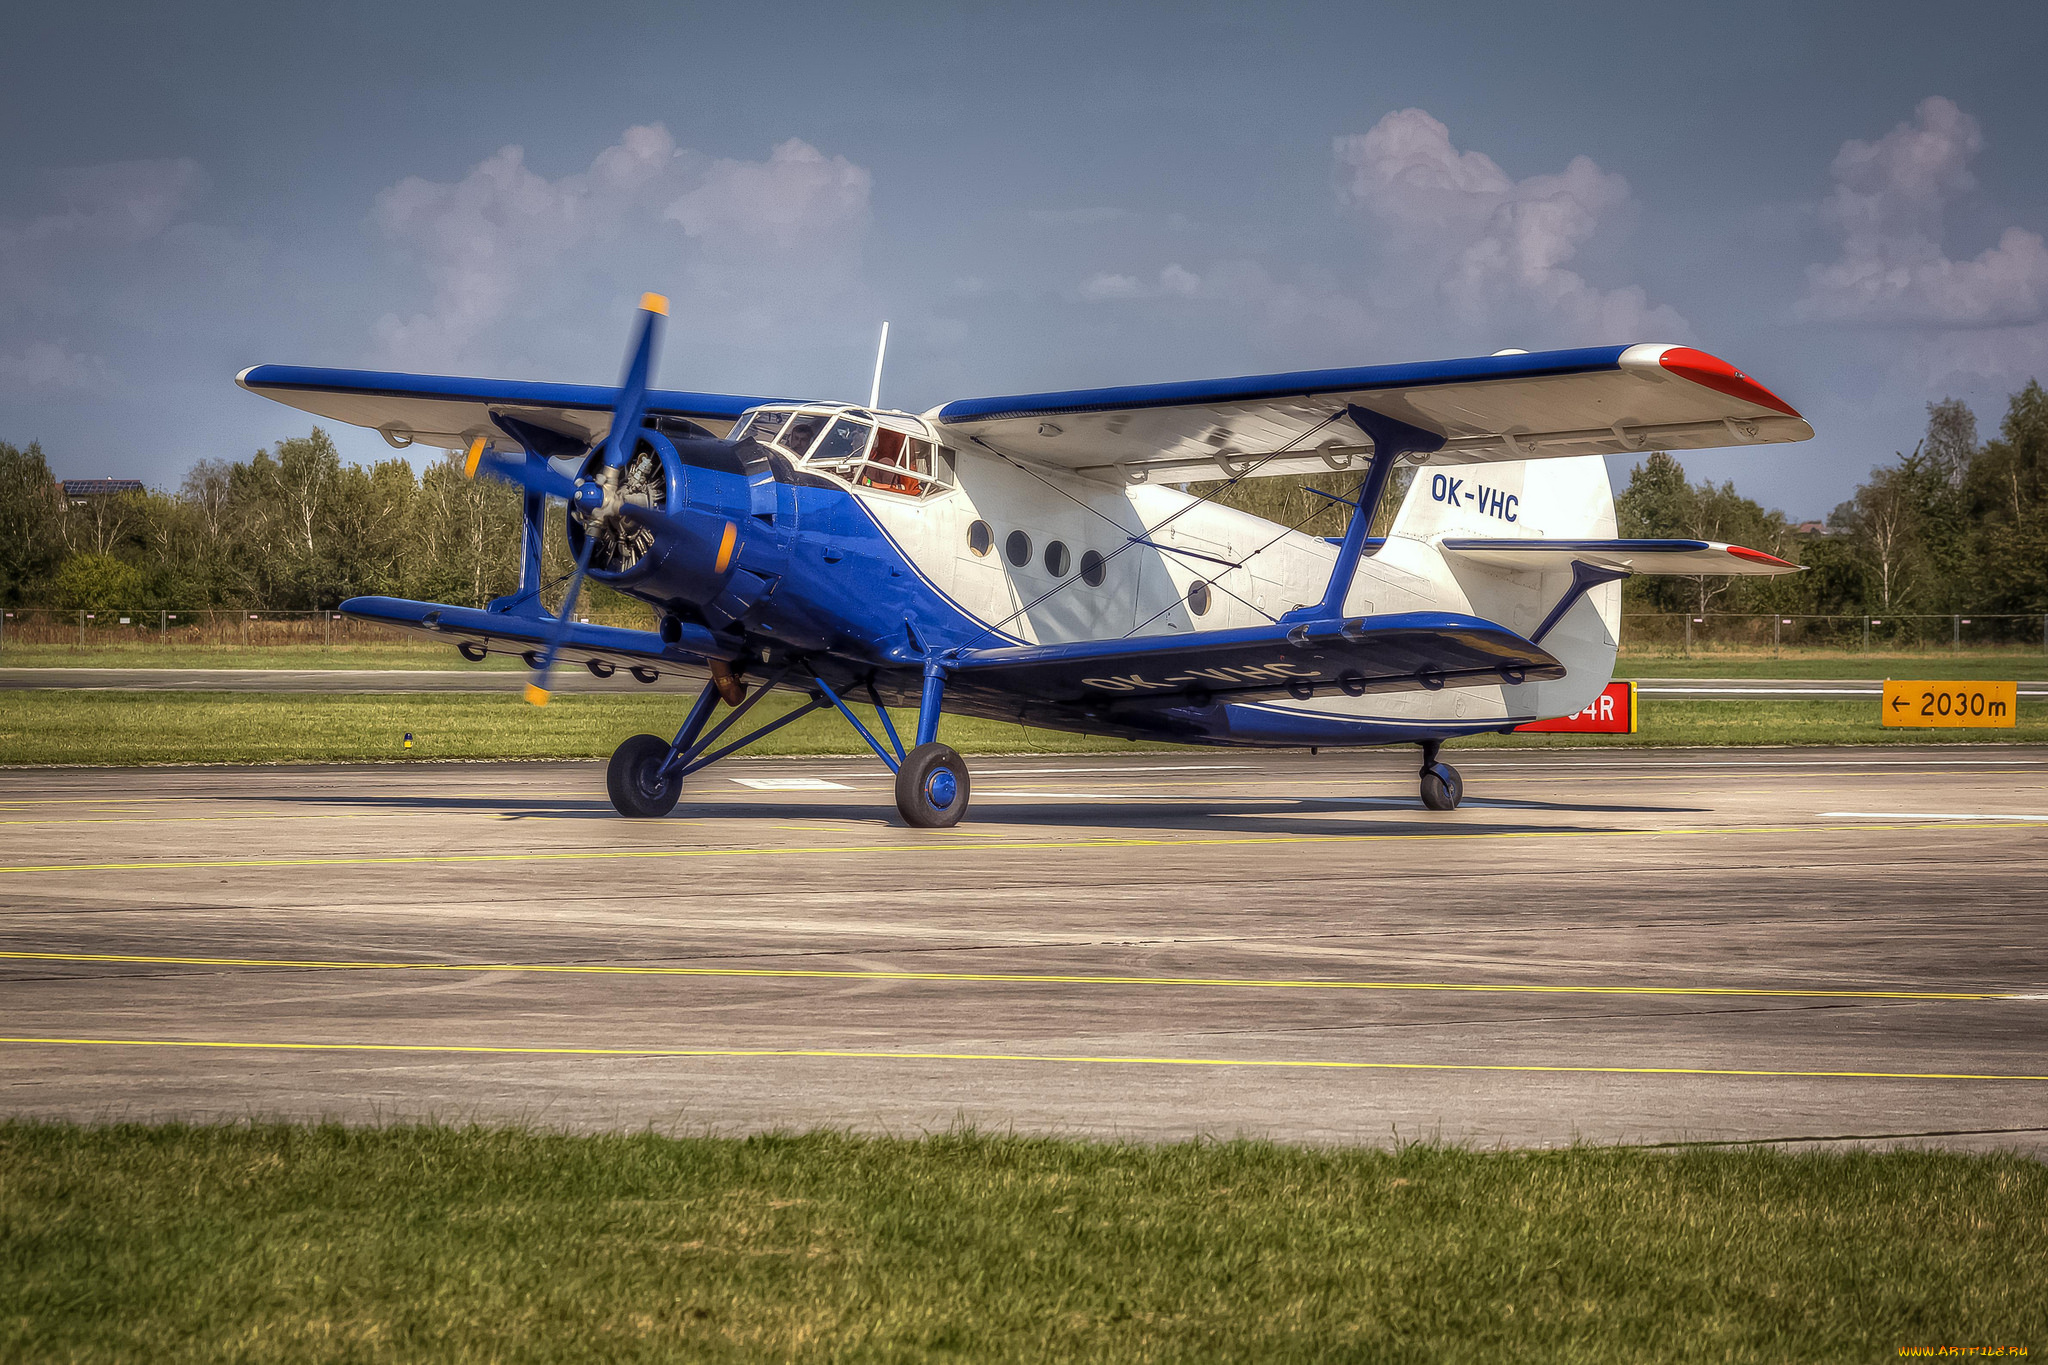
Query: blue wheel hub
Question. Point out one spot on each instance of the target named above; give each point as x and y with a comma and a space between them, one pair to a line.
941, 788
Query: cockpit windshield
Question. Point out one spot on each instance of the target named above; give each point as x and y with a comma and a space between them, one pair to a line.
843, 443
864, 451
796, 438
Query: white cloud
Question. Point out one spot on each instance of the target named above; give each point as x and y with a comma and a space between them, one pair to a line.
44, 369
1493, 250
1177, 279
92, 212
1174, 280
773, 239
504, 236
1107, 286
1088, 217
1888, 206
488, 236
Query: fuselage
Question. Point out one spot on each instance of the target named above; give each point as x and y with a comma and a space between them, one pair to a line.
857, 533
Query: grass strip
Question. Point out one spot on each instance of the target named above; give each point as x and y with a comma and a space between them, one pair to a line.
126, 728
295, 1243
123, 728
2015, 663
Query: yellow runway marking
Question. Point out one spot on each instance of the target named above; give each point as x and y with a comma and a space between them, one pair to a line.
999, 978
207, 819
1284, 1063
1423, 831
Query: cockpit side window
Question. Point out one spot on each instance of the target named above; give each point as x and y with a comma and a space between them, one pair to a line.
842, 444
796, 438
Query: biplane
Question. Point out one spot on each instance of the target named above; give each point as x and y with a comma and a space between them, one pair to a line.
1039, 558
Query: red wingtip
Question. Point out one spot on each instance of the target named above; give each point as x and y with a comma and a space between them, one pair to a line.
1760, 557
1718, 375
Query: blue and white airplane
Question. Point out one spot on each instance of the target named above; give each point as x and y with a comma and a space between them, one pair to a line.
1030, 558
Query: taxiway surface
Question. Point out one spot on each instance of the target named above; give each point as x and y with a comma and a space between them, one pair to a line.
1641, 947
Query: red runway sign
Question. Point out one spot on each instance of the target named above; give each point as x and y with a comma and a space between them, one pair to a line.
1613, 712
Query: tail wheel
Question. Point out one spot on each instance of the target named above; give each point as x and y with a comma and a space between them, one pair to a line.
1442, 788
931, 787
635, 782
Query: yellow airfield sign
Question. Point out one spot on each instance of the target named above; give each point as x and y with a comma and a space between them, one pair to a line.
1951, 704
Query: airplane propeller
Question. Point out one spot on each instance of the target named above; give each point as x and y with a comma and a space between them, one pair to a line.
629, 410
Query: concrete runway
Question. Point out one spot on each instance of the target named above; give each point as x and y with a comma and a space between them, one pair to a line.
1622, 947
577, 679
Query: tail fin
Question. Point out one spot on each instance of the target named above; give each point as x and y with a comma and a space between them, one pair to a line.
1566, 499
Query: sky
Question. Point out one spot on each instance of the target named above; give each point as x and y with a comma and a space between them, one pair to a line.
1846, 200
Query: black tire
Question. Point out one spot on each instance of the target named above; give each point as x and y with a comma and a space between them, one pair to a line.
1442, 787
600, 668
931, 787
644, 674
632, 782
472, 651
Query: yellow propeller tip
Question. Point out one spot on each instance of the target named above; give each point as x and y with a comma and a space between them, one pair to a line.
536, 694
655, 303
476, 454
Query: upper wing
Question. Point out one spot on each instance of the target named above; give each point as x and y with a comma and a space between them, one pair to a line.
439, 410
1636, 556
1596, 401
1410, 652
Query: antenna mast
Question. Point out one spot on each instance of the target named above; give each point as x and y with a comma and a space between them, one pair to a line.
875, 392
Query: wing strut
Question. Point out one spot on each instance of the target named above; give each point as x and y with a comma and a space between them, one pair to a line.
1391, 439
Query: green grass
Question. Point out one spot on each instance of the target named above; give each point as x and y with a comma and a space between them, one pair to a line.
2014, 663
56, 726
122, 728
281, 1243
403, 654
2001, 664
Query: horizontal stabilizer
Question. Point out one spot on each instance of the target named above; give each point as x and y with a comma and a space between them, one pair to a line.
509, 633
1411, 652
1634, 556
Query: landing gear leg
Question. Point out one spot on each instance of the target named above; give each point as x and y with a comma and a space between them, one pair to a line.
931, 783
1442, 788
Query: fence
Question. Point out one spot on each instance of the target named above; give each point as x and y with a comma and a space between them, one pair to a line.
1641, 632
222, 628
1747, 633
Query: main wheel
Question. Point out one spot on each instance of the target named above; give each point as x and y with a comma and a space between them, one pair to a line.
1442, 788
634, 780
931, 787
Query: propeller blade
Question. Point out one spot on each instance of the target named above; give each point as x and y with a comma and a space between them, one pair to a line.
537, 689
533, 477
630, 410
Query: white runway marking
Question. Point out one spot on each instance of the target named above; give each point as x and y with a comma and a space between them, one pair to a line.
1919, 815
792, 784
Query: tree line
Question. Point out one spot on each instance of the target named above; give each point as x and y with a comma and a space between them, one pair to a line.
289, 529
1954, 525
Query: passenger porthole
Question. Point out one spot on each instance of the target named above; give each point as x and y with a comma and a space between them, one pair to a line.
1198, 597
981, 537
1057, 559
1018, 548
1093, 570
